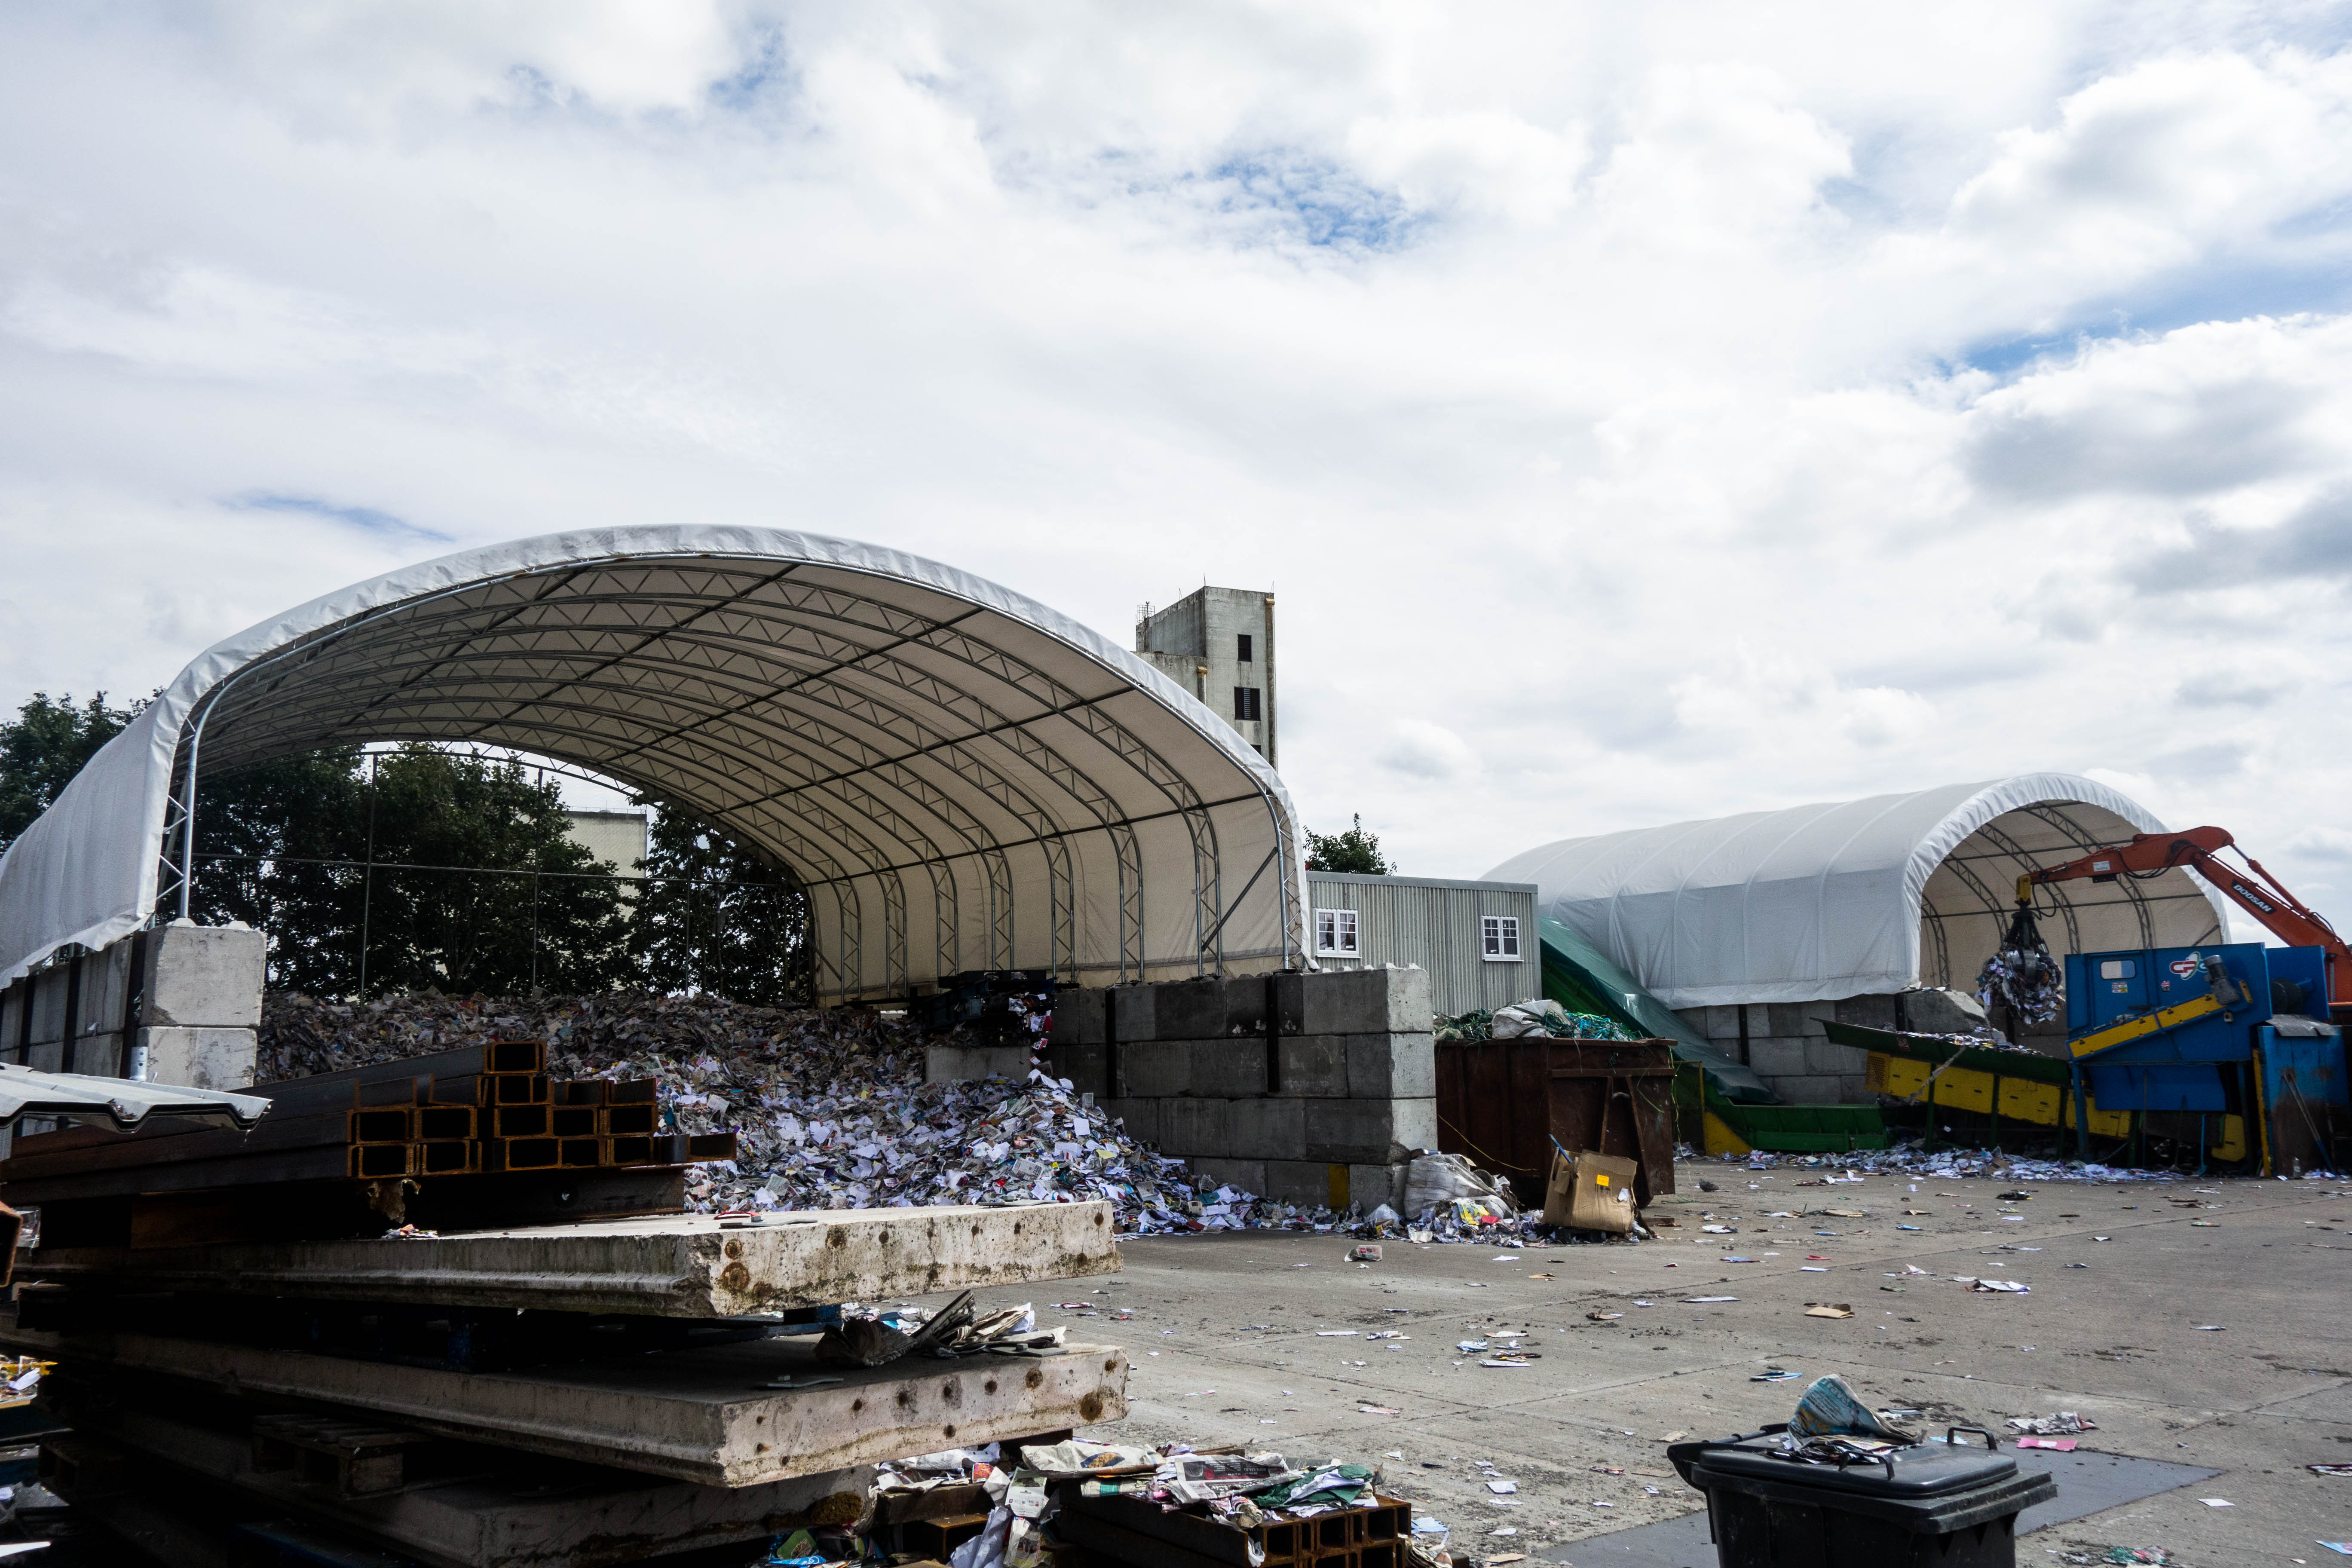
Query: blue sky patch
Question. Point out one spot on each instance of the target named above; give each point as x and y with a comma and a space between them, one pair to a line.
367, 519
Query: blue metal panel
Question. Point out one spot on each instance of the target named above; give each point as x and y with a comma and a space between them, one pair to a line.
2108, 988
2181, 1086
2305, 970
2311, 1068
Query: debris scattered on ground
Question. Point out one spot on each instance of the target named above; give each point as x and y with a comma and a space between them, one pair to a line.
1914, 1161
2058, 1425
1829, 1309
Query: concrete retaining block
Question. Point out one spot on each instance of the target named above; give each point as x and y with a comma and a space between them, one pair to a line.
1796, 1020
1234, 1129
1078, 1016
1368, 1132
1155, 1068
1775, 1057
1131, 1013
1314, 1066
966, 1064
205, 977
1867, 1012
1086, 1067
1298, 1181
1391, 1066
100, 1055
1210, 1172
1269, 1129
200, 1059
1370, 1186
1828, 1055
1226, 1069
1809, 1089
1142, 1116
1186, 1010
1367, 1001
105, 989
50, 1006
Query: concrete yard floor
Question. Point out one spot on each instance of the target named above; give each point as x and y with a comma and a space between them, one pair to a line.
1235, 1337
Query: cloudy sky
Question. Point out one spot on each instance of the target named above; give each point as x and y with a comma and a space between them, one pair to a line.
1640, 413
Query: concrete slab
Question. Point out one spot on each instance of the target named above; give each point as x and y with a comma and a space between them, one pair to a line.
702, 1416
2087, 1484
528, 1520
680, 1265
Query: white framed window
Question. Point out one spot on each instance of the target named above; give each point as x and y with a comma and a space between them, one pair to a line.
1335, 934
1498, 939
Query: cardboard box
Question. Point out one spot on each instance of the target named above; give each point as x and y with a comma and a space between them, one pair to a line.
1592, 1192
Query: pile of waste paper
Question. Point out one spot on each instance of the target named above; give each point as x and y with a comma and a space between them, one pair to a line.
830, 1110
1538, 1015
1041, 1502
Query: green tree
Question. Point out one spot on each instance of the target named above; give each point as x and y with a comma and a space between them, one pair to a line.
719, 916
1354, 851
461, 870
43, 747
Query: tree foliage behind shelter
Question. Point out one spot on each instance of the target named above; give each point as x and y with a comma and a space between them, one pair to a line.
459, 869
718, 917
43, 747
1354, 851
454, 872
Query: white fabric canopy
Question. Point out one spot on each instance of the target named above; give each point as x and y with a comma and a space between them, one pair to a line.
1819, 902
963, 777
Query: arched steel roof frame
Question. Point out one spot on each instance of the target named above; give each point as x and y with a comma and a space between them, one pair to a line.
857, 714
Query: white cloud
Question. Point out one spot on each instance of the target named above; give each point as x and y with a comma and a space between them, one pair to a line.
1637, 414
1425, 751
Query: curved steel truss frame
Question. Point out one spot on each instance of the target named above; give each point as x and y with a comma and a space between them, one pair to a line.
1059, 803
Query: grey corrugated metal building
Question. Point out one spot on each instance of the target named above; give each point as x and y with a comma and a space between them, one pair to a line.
1477, 939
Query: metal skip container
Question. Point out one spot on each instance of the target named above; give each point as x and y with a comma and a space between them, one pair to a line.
1774, 1502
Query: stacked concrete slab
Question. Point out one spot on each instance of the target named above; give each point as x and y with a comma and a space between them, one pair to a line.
1308, 1088
189, 997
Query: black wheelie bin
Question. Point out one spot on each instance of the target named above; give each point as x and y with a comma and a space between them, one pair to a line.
1778, 1502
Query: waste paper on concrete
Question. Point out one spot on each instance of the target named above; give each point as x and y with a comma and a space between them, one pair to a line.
1775, 1500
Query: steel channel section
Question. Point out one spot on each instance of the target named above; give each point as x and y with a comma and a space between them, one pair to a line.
912, 628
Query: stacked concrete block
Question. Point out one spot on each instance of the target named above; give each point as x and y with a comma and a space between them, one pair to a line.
1308, 1088
201, 995
184, 999
1785, 1043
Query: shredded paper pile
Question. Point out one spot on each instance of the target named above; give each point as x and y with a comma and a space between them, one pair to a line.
829, 1108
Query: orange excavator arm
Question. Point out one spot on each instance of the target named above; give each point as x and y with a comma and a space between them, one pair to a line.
2254, 890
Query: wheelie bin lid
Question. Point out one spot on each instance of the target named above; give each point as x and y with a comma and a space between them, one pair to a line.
1929, 1469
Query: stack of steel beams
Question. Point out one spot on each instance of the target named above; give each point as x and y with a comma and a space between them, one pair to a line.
441, 1128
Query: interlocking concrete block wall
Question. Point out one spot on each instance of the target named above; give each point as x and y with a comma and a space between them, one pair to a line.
1787, 1046
189, 994
1309, 1088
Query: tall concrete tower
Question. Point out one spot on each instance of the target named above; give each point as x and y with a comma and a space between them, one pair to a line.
1218, 645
